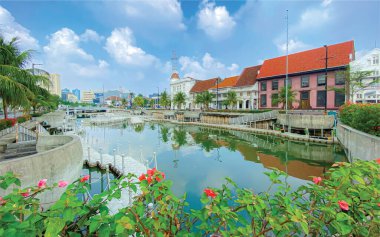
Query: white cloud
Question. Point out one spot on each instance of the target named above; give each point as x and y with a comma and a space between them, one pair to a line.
325, 3
167, 12
294, 46
91, 35
215, 21
120, 45
9, 29
208, 67
65, 42
312, 18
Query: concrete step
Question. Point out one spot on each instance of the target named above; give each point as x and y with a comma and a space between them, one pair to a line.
22, 144
20, 150
8, 140
17, 155
3, 147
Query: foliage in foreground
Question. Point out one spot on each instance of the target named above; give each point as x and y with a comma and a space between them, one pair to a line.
363, 117
344, 202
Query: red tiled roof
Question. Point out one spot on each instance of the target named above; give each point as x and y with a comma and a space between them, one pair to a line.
248, 76
314, 59
201, 86
174, 76
227, 82
114, 98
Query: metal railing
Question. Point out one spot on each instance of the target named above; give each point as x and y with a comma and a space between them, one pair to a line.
7, 131
254, 117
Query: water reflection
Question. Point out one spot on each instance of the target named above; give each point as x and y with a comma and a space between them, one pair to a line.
197, 157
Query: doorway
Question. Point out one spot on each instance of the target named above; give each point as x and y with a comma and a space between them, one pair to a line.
305, 99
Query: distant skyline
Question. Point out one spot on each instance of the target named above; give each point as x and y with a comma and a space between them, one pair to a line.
129, 43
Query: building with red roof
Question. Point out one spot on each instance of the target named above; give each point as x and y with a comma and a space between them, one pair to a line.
306, 73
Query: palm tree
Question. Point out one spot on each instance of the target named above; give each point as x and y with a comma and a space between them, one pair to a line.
164, 99
199, 99
231, 98
18, 86
204, 98
179, 99
282, 97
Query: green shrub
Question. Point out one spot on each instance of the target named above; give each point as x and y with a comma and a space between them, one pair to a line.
5, 123
343, 203
21, 119
363, 117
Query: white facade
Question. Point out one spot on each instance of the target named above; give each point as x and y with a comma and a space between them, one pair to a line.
88, 97
369, 62
181, 85
71, 97
246, 97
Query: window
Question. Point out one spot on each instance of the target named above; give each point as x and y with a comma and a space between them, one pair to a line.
375, 59
263, 100
339, 98
275, 85
248, 93
305, 81
304, 95
321, 98
263, 86
340, 78
321, 80
274, 97
241, 93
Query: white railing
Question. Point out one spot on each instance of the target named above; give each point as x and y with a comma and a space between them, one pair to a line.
7, 131
40, 129
24, 134
254, 117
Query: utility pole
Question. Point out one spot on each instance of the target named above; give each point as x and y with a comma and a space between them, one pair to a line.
287, 62
326, 60
217, 93
158, 101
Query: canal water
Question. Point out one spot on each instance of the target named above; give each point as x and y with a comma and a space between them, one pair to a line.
198, 157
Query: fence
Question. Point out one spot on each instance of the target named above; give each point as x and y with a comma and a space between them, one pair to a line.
254, 117
7, 131
357, 144
24, 134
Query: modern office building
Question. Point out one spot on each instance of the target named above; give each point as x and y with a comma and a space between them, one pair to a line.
64, 93
88, 97
76, 92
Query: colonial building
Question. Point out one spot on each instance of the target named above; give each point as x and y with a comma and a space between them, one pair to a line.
199, 87
181, 85
369, 62
306, 73
245, 87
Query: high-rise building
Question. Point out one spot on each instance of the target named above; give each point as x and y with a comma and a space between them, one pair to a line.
88, 97
64, 93
76, 92
55, 84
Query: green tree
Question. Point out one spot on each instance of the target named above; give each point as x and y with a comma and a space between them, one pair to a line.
138, 101
204, 98
164, 99
282, 97
18, 85
179, 99
354, 78
231, 98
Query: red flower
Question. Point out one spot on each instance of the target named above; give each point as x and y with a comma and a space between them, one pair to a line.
317, 180
84, 178
163, 175
378, 204
142, 177
378, 161
2, 201
149, 179
26, 194
210, 193
158, 178
151, 171
62, 184
343, 205
42, 183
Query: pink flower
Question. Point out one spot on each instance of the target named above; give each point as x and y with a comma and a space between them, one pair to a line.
343, 205
317, 180
42, 183
142, 177
62, 184
27, 193
84, 178
210, 193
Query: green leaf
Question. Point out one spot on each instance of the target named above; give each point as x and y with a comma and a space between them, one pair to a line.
54, 226
305, 227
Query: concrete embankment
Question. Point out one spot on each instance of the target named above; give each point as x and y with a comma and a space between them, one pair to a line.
290, 136
357, 144
58, 158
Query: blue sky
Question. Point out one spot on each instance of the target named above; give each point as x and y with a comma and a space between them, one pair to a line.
128, 44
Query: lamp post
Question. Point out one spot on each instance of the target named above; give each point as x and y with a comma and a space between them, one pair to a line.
326, 58
217, 93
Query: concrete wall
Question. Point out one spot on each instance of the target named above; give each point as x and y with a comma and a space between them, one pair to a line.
358, 145
55, 119
306, 121
64, 162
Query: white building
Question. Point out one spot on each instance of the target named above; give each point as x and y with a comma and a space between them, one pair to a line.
71, 97
88, 97
181, 85
369, 62
245, 86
